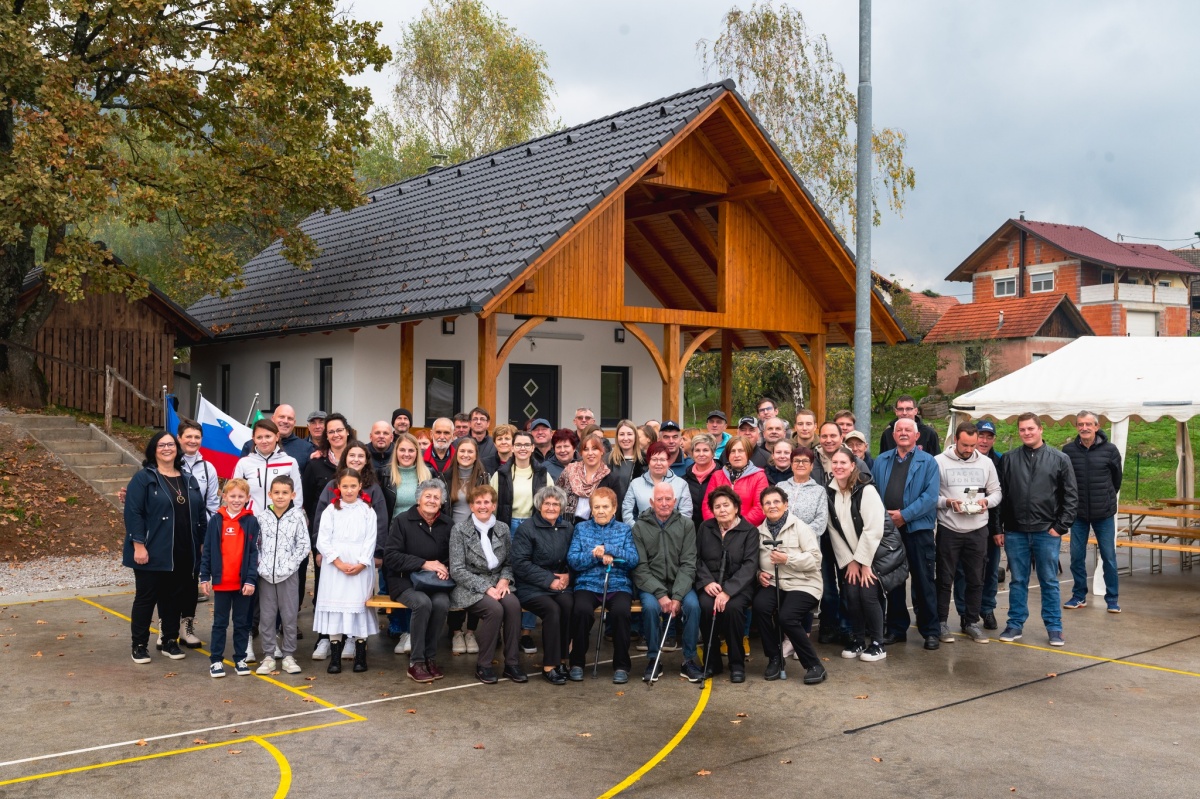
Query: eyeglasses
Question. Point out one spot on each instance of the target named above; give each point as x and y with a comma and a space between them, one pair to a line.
802, 462
522, 445
166, 445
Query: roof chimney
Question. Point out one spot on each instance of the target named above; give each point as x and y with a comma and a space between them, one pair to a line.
1000, 323
1022, 216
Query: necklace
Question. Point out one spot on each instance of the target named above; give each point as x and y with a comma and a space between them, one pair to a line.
177, 488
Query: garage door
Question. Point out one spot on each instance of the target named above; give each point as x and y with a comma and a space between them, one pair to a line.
1141, 323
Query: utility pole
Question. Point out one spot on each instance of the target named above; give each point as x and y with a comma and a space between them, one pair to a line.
863, 216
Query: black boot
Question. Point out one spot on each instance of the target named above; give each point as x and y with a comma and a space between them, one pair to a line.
335, 656
360, 654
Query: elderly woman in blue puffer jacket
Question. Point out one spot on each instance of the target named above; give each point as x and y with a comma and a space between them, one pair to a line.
602, 544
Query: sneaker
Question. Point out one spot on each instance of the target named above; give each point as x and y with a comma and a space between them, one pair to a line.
1056, 638
434, 669
527, 645
250, 656
472, 644
642, 646
515, 674
348, 650
853, 650
321, 650
158, 643
692, 671
216, 670
575, 674
171, 649
672, 645
1010, 634
892, 638
789, 651
873, 653
404, 645
278, 653
554, 677
486, 675
242, 669
989, 621
815, 675
267, 666
1113, 607
652, 674
945, 635
187, 633
976, 634
458, 644
201, 597
1074, 603
141, 654
418, 673
290, 665
620, 677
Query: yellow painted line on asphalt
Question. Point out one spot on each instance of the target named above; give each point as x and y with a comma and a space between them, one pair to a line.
58, 599
666, 750
285, 768
1057, 651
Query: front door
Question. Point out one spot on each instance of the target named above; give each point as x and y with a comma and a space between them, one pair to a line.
532, 393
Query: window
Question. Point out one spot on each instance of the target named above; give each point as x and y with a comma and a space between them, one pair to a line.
325, 385
443, 389
225, 387
1006, 287
1041, 281
1107, 278
973, 359
273, 383
1037, 356
1164, 284
614, 395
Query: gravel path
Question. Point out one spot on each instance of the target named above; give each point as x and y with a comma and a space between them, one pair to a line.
59, 573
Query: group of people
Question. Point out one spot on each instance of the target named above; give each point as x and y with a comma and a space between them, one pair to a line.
490, 531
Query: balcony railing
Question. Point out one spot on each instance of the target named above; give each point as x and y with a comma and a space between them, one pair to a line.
1130, 292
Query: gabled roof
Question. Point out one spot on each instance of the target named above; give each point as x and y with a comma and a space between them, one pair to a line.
1082, 243
1005, 318
447, 241
1191, 255
928, 310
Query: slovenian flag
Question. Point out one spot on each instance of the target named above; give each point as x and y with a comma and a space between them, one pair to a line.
223, 438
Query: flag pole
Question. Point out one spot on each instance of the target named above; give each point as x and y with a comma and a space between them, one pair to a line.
196, 406
253, 405
164, 396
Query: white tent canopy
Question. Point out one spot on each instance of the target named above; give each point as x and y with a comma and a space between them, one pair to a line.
1117, 378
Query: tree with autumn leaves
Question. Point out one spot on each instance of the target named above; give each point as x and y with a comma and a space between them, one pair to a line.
218, 118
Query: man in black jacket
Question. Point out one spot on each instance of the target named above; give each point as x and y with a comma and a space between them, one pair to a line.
1040, 496
927, 437
1097, 463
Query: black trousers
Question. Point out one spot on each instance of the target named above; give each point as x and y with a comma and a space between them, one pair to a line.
866, 610
969, 549
731, 623
555, 612
583, 616
794, 607
164, 589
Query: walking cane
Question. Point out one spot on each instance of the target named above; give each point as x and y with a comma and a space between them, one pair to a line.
778, 612
603, 615
712, 629
658, 656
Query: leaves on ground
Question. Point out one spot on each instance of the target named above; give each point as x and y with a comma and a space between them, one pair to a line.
1052, 674
142, 742
743, 715
583, 735
170, 674
877, 759
478, 746
411, 710
862, 696
786, 762
703, 772
199, 741
235, 751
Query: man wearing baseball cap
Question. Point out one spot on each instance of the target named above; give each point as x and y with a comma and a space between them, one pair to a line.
986, 432
716, 423
543, 448
671, 434
857, 443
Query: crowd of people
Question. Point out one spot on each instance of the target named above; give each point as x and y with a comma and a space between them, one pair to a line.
484, 534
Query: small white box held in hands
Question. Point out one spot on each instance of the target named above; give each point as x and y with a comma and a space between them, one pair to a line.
972, 506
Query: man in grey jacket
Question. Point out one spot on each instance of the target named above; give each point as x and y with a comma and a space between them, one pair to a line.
1039, 487
666, 570
968, 490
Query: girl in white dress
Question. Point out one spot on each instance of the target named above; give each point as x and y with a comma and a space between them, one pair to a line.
346, 547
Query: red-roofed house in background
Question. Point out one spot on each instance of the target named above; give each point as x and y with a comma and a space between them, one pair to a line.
1026, 268
1192, 256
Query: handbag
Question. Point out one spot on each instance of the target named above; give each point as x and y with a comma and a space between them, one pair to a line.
429, 582
890, 563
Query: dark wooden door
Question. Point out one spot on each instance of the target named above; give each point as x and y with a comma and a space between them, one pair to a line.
532, 393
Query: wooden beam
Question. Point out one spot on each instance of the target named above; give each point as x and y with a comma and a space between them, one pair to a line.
686, 227
697, 340
487, 366
669, 261
660, 292
837, 317
726, 373
718, 159
772, 340
848, 332
739, 193
659, 170
673, 384
650, 346
748, 191
515, 337
817, 345
407, 342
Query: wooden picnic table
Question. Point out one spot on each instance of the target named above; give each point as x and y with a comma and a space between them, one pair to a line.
1180, 503
1160, 534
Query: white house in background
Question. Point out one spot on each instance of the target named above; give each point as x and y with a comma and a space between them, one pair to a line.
581, 268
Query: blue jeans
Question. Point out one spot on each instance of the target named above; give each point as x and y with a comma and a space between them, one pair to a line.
652, 629
399, 618
991, 582
1043, 548
922, 565
241, 607
834, 614
1106, 539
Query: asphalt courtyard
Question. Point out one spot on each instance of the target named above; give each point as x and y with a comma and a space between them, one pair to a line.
1111, 714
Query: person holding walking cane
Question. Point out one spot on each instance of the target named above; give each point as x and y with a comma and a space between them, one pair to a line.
602, 555
789, 563
727, 548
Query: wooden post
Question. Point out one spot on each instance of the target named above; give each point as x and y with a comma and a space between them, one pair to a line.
816, 346
727, 373
486, 391
673, 383
108, 399
407, 336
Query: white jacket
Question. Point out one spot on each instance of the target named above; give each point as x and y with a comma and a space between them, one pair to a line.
259, 471
957, 475
283, 543
206, 477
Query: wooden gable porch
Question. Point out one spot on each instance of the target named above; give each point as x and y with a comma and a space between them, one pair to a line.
718, 229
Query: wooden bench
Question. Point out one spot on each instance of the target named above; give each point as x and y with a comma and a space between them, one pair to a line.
1185, 550
385, 601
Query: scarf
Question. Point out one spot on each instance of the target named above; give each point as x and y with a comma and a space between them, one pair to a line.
577, 482
774, 527
699, 475
485, 540
736, 474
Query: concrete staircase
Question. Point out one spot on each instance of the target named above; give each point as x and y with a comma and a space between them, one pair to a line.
102, 462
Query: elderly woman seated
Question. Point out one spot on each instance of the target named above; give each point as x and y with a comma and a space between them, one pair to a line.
539, 561
479, 566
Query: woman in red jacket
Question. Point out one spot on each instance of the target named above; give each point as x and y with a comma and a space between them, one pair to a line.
747, 480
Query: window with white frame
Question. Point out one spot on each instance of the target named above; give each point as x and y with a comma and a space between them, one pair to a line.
1041, 281
1005, 287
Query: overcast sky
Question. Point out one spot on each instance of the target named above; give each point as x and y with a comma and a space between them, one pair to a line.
1084, 113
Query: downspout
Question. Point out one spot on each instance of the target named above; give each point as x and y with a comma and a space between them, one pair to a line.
1021, 262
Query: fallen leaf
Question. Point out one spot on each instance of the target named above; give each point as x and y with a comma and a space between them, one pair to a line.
735, 721
235, 751
37, 654
233, 730
786, 762
1052, 674
199, 741
310, 679
66, 703
142, 742
877, 759
170, 674
1014, 790
61, 637
703, 772
743, 715
411, 710
1051, 701
385, 693
42, 621
861, 696
620, 693
583, 735
478, 746
227, 701
306, 699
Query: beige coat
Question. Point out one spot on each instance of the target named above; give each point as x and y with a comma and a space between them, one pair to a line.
802, 572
